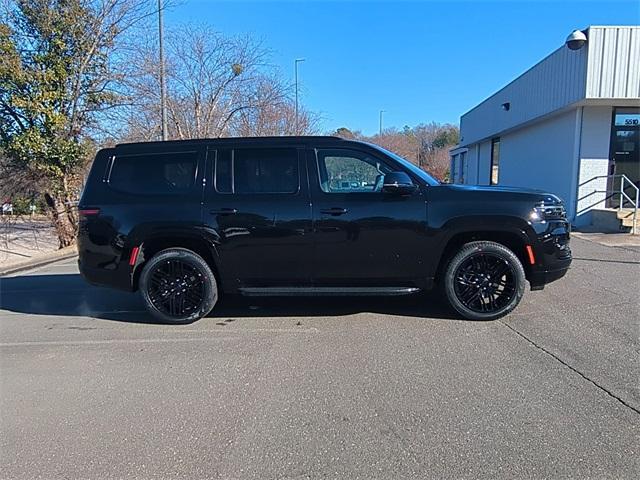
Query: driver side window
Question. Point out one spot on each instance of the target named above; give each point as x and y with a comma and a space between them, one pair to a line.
350, 171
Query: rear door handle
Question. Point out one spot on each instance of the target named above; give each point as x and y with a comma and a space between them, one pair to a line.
224, 211
333, 211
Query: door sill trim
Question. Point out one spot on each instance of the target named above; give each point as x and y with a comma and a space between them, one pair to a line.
326, 291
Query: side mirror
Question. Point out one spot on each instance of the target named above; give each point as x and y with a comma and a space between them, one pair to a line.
398, 183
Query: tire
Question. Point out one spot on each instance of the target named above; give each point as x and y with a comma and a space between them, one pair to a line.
178, 287
484, 281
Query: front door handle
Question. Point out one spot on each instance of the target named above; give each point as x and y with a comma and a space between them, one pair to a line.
224, 211
333, 211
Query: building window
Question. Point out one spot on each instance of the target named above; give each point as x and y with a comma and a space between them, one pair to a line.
495, 161
463, 165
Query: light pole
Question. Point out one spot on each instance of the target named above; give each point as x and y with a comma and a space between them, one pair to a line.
381, 112
163, 89
296, 62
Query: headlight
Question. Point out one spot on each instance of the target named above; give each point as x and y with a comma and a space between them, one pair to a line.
544, 211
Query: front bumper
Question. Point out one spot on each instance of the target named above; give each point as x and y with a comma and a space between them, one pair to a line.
552, 253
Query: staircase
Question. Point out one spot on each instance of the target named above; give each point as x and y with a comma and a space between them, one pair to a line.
625, 215
625, 218
612, 220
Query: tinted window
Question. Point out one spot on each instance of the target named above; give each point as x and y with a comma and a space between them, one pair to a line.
345, 171
224, 180
253, 170
164, 174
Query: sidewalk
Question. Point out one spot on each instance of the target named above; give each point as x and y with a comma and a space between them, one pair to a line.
611, 239
27, 242
38, 260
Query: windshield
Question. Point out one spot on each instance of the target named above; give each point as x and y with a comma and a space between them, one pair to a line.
417, 171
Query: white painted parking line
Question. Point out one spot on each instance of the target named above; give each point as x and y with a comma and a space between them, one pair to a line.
160, 340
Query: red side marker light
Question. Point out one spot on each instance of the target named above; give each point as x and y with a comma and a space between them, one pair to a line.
134, 256
89, 212
532, 258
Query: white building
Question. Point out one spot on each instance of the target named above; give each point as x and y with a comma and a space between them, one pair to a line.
571, 118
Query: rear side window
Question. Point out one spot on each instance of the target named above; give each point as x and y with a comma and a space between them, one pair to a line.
154, 174
257, 170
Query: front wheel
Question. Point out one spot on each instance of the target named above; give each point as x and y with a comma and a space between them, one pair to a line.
484, 281
178, 286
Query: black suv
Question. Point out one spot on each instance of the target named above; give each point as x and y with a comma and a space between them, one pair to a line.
184, 221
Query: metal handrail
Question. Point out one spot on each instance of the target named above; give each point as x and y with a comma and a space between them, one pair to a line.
622, 195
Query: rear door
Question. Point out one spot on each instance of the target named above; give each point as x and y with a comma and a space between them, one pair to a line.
258, 203
363, 237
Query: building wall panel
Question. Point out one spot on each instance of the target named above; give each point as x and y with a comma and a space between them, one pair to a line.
541, 156
553, 84
607, 68
613, 62
621, 68
633, 85
594, 161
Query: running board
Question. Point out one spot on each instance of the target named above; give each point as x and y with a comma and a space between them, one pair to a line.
326, 291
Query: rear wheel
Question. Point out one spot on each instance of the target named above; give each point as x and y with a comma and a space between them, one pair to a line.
178, 286
484, 281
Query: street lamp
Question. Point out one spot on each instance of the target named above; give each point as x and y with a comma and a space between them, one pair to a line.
296, 62
381, 112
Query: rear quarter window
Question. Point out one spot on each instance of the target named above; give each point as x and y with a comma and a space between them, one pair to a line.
171, 173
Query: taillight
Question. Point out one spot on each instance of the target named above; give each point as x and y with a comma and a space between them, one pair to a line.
88, 212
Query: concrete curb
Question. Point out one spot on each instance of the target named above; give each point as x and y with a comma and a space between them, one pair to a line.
40, 261
609, 239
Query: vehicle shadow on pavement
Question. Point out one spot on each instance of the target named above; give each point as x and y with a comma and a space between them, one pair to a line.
70, 295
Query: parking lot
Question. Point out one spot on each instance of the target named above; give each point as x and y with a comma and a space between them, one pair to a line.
331, 388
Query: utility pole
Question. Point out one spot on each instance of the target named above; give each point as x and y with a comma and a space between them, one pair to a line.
163, 88
381, 112
297, 60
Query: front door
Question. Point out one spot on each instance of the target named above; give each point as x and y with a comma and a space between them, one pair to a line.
363, 237
259, 207
625, 146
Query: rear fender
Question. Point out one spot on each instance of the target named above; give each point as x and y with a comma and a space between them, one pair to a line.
199, 240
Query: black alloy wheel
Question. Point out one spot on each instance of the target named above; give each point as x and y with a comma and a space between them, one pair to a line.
484, 281
178, 286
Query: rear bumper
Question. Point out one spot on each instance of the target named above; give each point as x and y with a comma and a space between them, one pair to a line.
102, 277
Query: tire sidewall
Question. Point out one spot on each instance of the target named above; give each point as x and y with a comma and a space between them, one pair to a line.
495, 249
210, 297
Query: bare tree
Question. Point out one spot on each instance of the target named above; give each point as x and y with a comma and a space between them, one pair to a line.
275, 119
426, 145
216, 86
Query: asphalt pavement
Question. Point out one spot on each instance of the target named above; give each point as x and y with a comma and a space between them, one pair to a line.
368, 388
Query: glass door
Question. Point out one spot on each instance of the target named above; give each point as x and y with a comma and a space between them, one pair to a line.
625, 146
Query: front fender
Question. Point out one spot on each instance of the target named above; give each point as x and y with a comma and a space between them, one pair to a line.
482, 226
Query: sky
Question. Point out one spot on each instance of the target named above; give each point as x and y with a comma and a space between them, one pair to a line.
419, 61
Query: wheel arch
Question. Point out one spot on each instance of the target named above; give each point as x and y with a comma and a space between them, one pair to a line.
509, 232
152, 245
